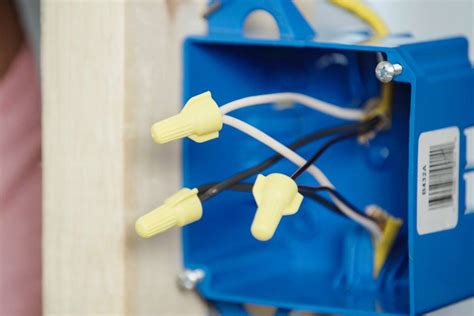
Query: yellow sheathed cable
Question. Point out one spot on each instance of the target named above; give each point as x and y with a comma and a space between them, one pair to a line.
384, 105
380, 29
365, 13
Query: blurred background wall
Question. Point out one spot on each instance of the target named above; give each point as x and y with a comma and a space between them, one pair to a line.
424, 18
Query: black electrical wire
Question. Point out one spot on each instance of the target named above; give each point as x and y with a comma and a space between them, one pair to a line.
247, 187
321, 151
227, 183
307, 191
369, 126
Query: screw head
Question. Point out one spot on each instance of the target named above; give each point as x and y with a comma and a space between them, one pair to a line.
188, 279
386, 71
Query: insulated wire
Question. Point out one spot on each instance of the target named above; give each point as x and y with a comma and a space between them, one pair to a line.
217, 188
307, 189
300, 161
321, 106
276, 146
370, 125
247, 187
318, 154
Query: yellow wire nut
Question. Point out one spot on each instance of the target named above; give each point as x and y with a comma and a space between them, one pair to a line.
200, 120
182, 208
383, 246
276, 195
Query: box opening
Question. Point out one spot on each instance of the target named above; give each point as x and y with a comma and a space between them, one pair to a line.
317, 260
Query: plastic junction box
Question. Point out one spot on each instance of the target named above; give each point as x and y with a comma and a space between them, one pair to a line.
318, 261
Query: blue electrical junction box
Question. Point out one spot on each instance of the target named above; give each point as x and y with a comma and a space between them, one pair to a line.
318, 261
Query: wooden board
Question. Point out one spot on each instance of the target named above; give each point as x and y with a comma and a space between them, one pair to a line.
110, 68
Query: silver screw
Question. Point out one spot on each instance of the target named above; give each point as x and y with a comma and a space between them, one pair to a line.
188, 279
385, 71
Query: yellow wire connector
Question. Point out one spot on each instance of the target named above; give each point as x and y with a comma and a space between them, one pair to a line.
200, 120
276, 195
390, 228
182, 208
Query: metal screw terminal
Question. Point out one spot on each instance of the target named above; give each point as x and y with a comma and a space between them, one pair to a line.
386, 71
379, 214
188, 279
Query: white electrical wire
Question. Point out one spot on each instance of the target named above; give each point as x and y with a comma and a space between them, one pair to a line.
300, 161
324, 107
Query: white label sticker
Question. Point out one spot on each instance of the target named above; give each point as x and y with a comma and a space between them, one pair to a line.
438, 180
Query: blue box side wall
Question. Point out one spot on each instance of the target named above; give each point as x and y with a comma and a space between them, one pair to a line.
441, 264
